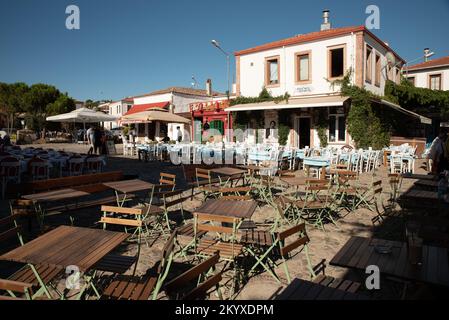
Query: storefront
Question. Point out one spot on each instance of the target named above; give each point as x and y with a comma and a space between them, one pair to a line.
207, 116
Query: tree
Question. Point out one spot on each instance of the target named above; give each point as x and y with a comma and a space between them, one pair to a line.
63, 104
12, 101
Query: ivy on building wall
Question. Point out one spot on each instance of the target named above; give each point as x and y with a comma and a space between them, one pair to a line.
322, 124
421, 100
365, 124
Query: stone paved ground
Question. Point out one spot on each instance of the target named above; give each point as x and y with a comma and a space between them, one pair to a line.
323, 245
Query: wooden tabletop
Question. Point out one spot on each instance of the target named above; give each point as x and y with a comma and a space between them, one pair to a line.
127, 186
66, 246
228, 171
243, 209
419, 176
56, 195
427, 183
421, 195
358, 253
301, 289
295, 181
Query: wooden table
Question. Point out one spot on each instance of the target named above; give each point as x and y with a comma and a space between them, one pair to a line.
358, 253
68, 246
230, 173
301, 289
127, 186
419, 176
56, 195
417, 194
243, 209
430, 184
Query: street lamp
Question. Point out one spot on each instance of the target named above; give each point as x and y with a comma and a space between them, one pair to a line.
217, 45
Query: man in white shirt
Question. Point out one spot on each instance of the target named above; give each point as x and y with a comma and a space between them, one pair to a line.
436, 153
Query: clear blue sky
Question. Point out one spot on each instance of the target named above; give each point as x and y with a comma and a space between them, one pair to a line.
130, 47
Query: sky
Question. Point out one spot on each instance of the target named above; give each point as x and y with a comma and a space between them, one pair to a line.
131, 47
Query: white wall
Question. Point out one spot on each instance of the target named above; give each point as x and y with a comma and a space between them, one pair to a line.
252, 78
377, 48
153, 99
422, 76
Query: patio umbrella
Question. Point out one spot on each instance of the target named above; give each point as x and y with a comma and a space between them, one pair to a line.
153, 115
82, 115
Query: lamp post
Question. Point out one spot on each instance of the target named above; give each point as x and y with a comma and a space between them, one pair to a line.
217, 45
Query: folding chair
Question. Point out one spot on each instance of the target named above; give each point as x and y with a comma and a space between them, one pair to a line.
205, 276
225, 241
146, 287
205, 184
21, 208
130, 219
170, 199
262, 245
39, 276
367, 196
16, 290
331, 282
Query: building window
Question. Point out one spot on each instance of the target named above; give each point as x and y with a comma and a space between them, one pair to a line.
378, 68
303, 67
369, 64
337, 128
411, 80
272, 71
398, 76
435, 81
336, 62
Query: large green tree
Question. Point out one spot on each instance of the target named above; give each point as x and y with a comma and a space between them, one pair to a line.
13, 101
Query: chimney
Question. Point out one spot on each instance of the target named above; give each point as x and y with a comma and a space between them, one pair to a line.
209, 87
326, 25
426, 53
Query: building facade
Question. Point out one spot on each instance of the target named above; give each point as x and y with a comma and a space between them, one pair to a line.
118, 109
174, 99
304, 66
432, 74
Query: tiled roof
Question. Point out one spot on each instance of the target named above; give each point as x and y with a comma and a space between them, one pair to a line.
444, 61
313, 36
144, 107
181, 90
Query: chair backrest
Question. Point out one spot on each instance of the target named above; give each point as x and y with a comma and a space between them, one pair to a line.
168, 179
172, 198
16, 287
39, 169
298, 232
94, 164
22, 207
9, 229
202, 174
213, 223
10, 167
76, 165
197, 272
126, 222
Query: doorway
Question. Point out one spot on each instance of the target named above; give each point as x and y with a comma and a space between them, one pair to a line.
304, 124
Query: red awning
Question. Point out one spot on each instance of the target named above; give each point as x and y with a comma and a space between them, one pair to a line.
144, 107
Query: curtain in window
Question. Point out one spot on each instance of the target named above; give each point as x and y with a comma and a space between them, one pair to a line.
274, 71
304, 67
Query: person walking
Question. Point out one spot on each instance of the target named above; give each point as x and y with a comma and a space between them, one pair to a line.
97, 141
436, 153
90, 133
178, 134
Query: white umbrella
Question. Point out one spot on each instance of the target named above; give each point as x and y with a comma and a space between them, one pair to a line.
82, 115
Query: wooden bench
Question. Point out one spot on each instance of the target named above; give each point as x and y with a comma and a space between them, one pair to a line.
90, 183
94, 181
331, 282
